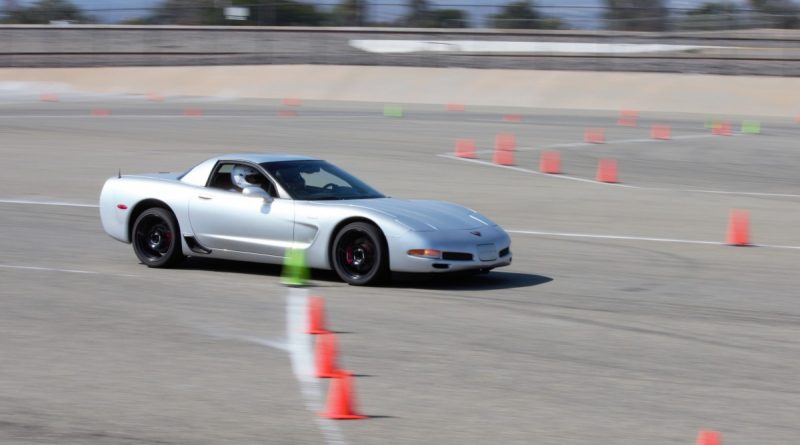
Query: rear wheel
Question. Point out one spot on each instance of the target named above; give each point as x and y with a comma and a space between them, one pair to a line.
359, 254
156, 238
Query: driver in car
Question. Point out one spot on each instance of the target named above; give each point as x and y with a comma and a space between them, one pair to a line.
243, 176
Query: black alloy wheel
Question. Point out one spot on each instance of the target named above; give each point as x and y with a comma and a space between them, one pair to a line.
360, 256
156, 238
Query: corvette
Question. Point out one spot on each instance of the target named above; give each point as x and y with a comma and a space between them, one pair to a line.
255, 207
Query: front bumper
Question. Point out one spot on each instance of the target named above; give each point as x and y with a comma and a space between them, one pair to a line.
489, 250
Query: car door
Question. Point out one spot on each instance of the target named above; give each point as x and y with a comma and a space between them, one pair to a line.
229, 220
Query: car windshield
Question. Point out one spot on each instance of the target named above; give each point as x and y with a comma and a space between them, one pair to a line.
315, 180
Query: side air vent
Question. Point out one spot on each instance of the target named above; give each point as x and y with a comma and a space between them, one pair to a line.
195, 246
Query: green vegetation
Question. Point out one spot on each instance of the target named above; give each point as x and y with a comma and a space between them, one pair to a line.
46, 11
522, 14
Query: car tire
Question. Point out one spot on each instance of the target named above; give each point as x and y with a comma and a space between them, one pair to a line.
156, 238
359, 254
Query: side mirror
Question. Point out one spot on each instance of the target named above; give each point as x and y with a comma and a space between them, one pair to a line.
257, 192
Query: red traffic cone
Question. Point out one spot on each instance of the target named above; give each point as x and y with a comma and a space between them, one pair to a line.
325, 358
550, 162
739, 228
465, 148
709, 438
316, 316
607, 170
341, 399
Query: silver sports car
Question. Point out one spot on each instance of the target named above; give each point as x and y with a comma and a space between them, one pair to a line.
254, 207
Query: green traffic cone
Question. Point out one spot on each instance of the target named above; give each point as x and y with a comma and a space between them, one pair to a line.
295, 272
751, 127
393, 111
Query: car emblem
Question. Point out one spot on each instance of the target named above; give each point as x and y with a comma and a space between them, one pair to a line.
476, 233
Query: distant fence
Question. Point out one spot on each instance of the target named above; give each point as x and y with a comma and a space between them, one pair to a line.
753, 52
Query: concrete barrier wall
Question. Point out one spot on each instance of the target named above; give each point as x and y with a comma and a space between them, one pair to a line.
775, 53
707, 94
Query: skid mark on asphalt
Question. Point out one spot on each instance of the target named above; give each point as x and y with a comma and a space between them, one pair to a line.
300, 347
301, 352
638, 238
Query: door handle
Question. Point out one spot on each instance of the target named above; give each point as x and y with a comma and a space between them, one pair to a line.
204, 197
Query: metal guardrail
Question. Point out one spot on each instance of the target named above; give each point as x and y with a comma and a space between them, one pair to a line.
757, 52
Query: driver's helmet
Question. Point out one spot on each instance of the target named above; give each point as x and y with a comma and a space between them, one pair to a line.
244, 176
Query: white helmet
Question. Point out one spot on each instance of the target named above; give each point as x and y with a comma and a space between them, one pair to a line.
243, 176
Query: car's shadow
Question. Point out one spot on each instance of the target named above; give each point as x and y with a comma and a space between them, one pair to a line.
494, 280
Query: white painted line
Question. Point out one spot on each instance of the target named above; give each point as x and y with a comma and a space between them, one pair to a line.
622, 141
389, 46
53, 269
638, 238
46, 203
525, 170
301, 353
47, 269
617, 237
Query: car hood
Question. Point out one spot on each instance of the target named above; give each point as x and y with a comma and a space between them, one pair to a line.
424, 215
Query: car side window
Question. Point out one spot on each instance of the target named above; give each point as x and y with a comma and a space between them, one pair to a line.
221, 179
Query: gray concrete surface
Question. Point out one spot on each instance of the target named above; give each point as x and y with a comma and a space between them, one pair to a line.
748, 52
581, 341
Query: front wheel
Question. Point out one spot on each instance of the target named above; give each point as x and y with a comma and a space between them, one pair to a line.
359, 254
156, 238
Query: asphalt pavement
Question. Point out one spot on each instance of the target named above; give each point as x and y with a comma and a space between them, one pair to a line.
624, 318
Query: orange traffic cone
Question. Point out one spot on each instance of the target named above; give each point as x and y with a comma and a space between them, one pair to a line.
550, 162
607, 170
455, 107
316, 316
154, 97
739, 228
709, 438
721, 129
594, 136
100, 112
325, 358
193, 112
628, 118
287, 113
504, 146
49, 97
291, 102
341, 398
465, 148
512, 118
505, 142
661, 132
